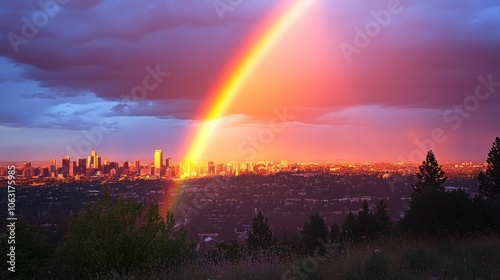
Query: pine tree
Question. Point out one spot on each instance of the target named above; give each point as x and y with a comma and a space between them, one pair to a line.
489, 185
382, 220
489, 182
313, 230
335, 234
424, 214
431, 175
350, 229
365, 220
261, 236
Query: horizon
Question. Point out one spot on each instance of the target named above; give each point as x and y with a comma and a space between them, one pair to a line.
305, 81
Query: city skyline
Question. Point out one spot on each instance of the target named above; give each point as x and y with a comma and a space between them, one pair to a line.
303, 81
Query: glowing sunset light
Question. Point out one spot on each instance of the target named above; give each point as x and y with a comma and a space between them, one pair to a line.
239, 71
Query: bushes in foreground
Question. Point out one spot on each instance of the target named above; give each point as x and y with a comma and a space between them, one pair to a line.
120, 239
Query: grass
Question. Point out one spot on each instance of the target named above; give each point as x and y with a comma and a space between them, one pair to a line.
391, 258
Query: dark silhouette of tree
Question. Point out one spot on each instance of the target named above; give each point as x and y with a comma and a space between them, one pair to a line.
120, 237
32, 252
261, 236
383, 222
335, 234
350, 231
427, 199
313, 230
431, 175
231, 251
489, 185
364, 221
489, 181
432, 210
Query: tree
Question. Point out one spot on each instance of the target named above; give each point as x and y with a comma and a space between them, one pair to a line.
489, 181
424, 214
364, 221
489, 185
313, 230
383, 222
431, 175
120, 237
350, 231
32, 252
335, 234
261, 236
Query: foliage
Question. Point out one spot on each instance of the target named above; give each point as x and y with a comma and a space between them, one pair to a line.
431, 175
32, 252
261, 236
335, 234
432, 210
366, 224
489, 181
122, 237
489, 185
313, 230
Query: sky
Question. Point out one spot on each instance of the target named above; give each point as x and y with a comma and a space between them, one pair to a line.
341, 81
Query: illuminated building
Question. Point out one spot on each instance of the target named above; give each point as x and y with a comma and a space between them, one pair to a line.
137, 166
65, 166
158, 158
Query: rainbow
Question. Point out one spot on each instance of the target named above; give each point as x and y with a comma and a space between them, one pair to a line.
237, 72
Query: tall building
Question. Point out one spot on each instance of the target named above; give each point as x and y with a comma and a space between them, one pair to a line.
158, 158
28, 170
65, 166
53, 165
137, 165
125, 168
93, 160
168, 162
82, 166
211, 168
72, 169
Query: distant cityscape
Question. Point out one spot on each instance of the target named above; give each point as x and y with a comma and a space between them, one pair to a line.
96, 166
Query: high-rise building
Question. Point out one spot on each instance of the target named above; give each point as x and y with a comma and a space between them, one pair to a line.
82, 166
53, 165
158, 158
28, 170
93, 160
125, 168
211, 168
137, 165
65, 166
72, 169
114, 165
168, 162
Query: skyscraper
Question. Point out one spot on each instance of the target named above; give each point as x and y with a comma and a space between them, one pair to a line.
92, 160
137, 165
158, 158
168, 162
72, 169
53, 165
65, 166
211, 168
82, 166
